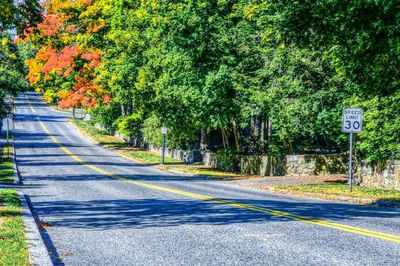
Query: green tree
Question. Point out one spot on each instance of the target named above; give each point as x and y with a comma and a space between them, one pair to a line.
360, 39
11, 70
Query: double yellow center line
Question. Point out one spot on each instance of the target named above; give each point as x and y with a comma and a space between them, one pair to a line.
30, 105
272, 212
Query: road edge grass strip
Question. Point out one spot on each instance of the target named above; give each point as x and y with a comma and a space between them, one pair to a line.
97, 135
13, 244
6, 166
149, 157
177, 166
340, 192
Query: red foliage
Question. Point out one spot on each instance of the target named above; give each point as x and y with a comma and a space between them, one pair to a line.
86, 2
84, 94
61, 63
94, 58
59, 28
107, 98
51, 25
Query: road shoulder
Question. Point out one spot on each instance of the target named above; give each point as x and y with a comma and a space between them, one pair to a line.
37, 251
38, 254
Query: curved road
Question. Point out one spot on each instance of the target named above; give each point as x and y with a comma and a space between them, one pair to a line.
101, 209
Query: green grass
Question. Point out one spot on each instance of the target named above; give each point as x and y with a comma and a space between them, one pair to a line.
335, 190
177, 165
6, 166
149, 157
13, 246
100, 136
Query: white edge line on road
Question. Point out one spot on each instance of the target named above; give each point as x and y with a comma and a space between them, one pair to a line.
38, 253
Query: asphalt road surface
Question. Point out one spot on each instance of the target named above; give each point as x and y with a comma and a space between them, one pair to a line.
101, 209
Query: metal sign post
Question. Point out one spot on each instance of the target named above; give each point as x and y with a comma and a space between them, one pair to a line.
8, 137
352, 123
14, 109
164, 133
13, 118
351, 163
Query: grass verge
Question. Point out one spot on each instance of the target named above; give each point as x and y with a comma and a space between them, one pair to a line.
13, 246
149, 157
6, 166
101, 136
178, 166
340, 191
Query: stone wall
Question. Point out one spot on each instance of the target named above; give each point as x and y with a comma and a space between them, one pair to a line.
209, 158
387, 175
294, 165
254, 165
285, 165
316, 164
262, 165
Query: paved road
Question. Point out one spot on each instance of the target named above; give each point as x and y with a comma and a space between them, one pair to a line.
95, 216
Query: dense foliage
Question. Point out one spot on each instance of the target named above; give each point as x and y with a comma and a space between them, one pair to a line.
12, 71
252, 76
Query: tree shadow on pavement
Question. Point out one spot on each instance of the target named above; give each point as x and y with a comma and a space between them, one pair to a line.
143, 213
43, 118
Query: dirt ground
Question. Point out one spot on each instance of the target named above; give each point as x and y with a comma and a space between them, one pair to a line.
255, 182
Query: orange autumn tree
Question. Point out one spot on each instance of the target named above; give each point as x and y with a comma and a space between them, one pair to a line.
64, 65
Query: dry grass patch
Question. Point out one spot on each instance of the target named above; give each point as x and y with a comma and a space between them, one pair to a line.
340, 191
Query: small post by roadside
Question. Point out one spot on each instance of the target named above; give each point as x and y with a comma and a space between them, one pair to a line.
8, 135
351, 123
14, 109
164, 133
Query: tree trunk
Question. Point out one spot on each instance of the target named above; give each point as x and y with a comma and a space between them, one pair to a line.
225, 140
291, 150
203, 141
236, 135
269, 131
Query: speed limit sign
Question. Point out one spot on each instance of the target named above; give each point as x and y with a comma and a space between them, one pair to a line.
352, 123
352, 120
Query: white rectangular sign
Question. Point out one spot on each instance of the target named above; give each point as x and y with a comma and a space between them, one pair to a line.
352, 120
164, 130
10, 116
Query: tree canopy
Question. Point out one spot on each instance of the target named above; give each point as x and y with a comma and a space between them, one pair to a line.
260, 77
13, 18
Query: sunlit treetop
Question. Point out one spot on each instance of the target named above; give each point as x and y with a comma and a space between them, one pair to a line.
65, 55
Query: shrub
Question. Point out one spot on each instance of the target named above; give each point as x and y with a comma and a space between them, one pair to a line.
227, 159
131, 126
177, 136
106, 116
